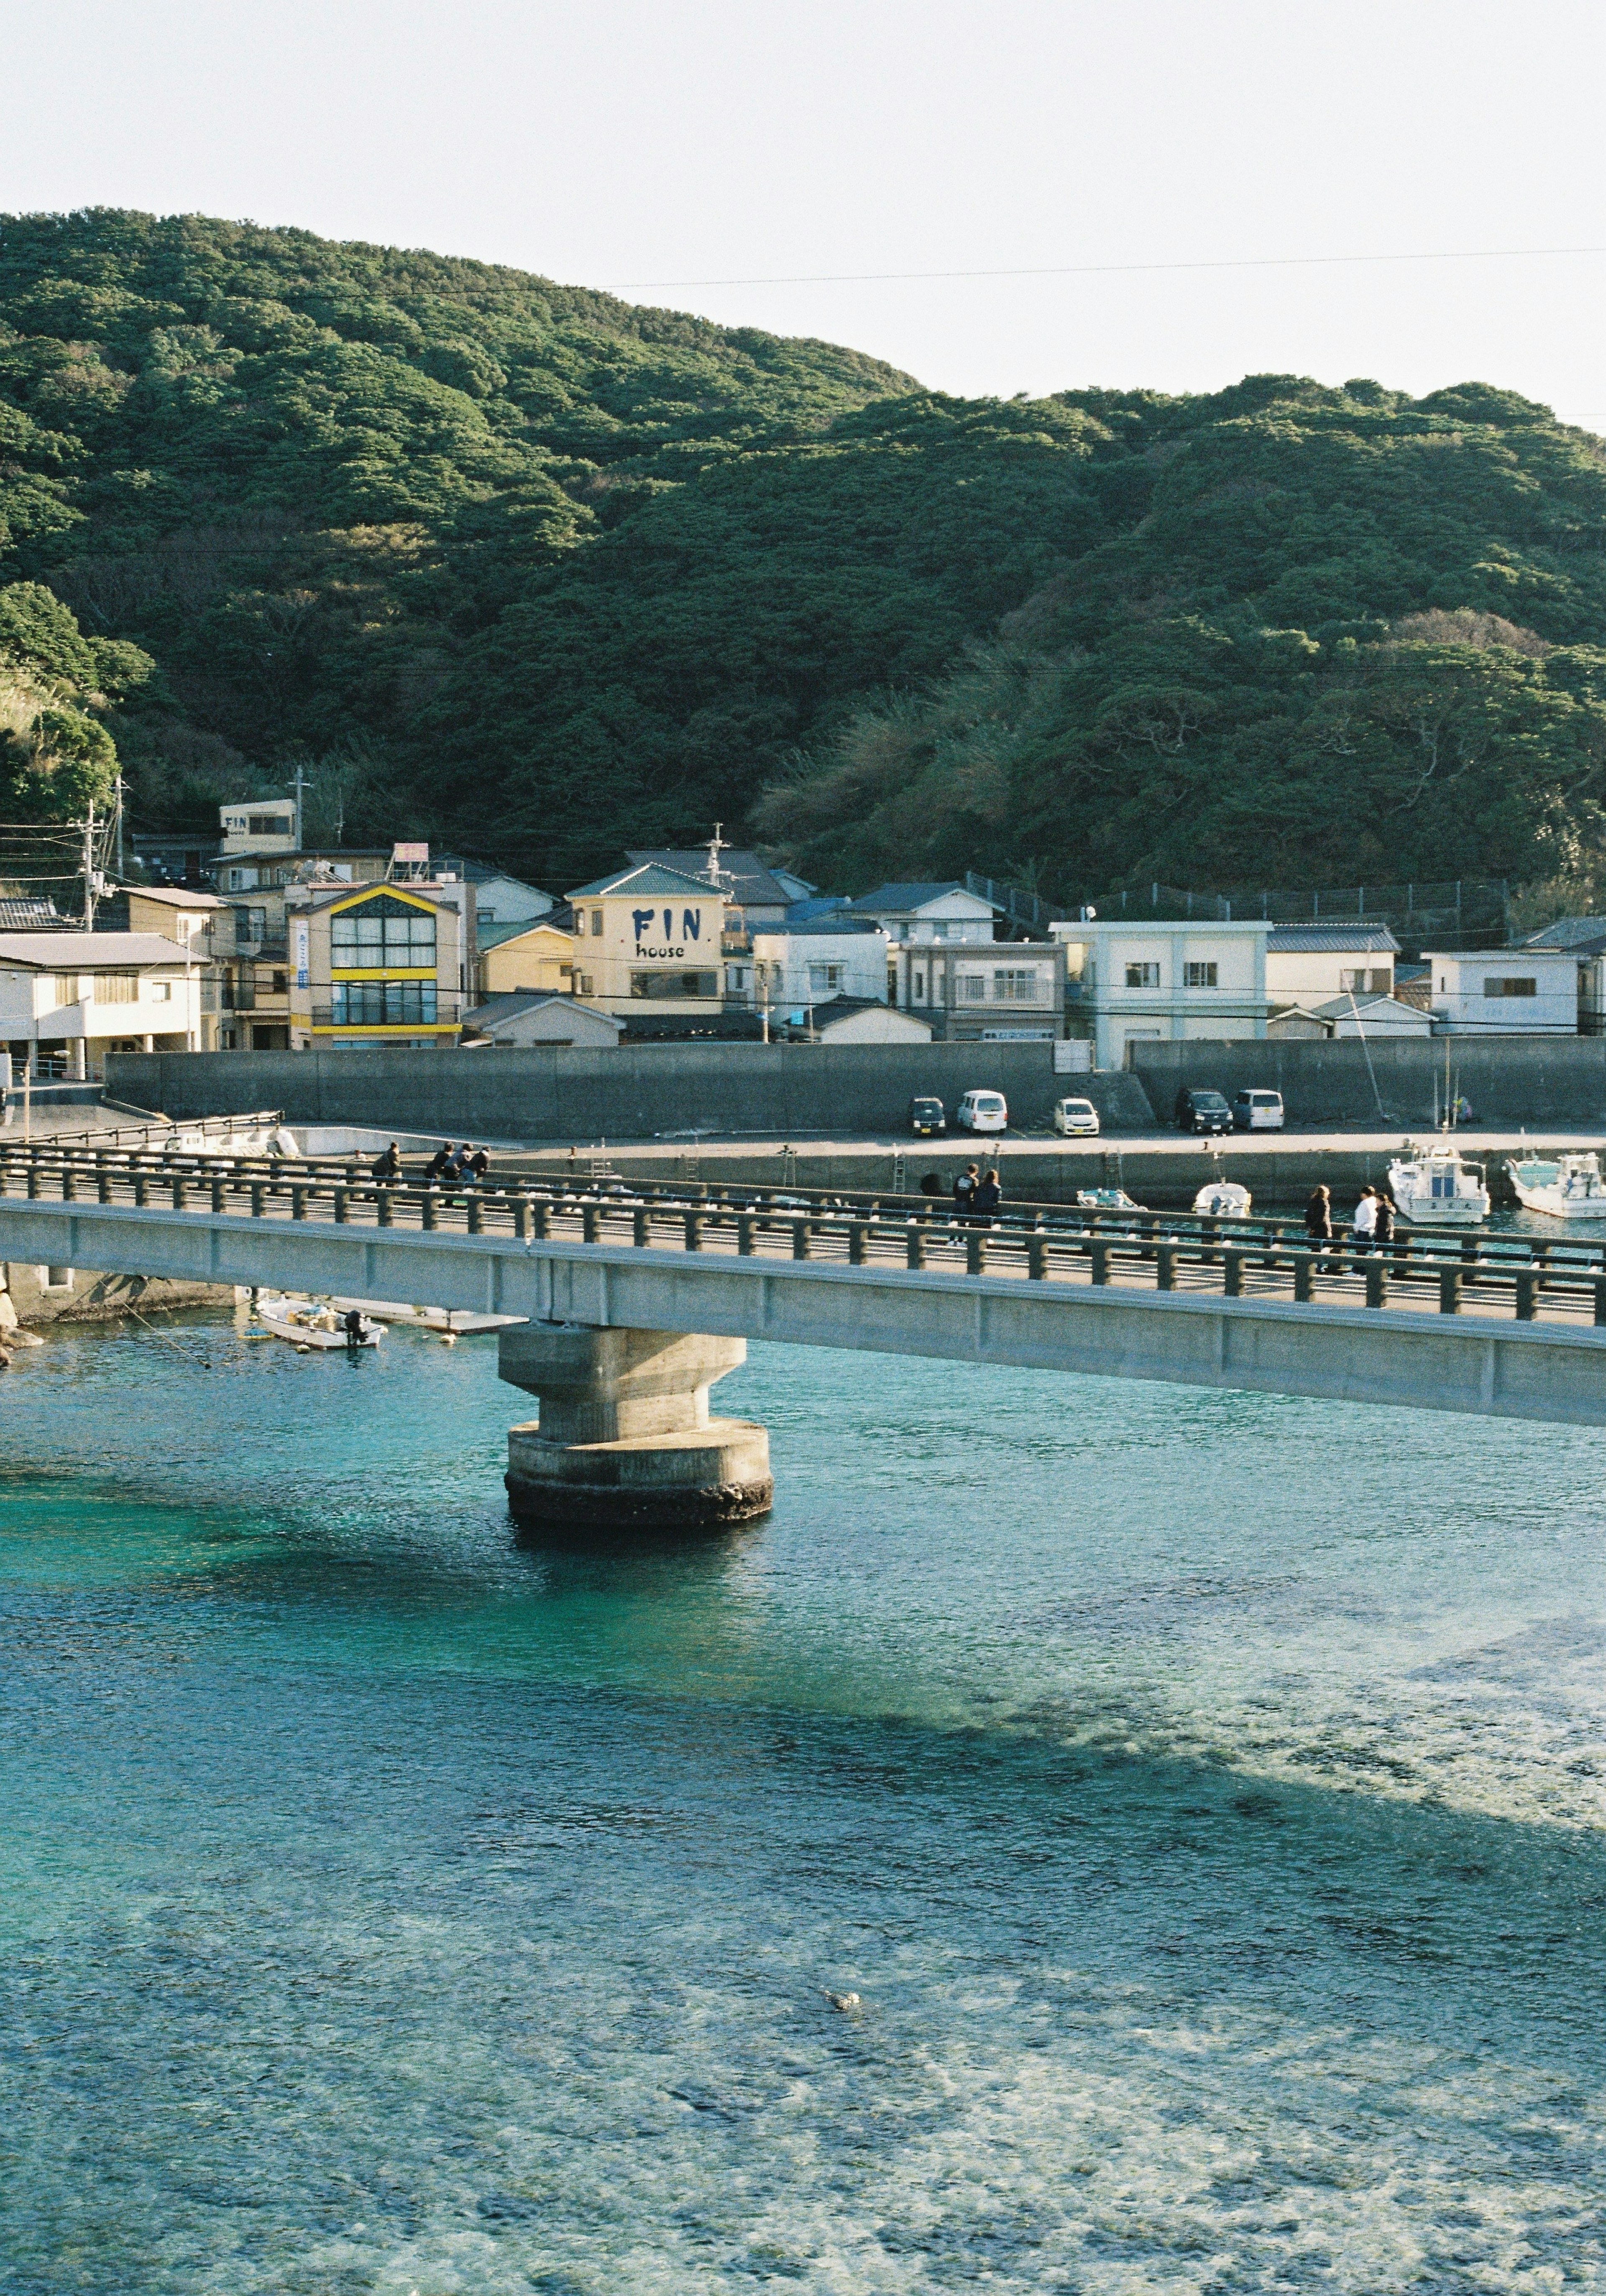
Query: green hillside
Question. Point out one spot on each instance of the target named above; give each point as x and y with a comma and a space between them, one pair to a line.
523, 567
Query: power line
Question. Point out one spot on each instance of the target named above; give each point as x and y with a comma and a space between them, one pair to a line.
1111, 270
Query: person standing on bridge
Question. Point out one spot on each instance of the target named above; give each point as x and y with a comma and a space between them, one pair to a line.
1319, 1220
479, 1166
964, 1194
387, 1168
988, 1196
1363, 1227
1383, 1225
436, 1168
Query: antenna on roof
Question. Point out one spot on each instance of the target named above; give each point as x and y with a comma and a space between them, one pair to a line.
716, 846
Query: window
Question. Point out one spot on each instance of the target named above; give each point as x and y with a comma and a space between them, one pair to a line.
55, 1279
270, 824
674, 984
1200, 975
939, 931
1143, 976
1507, 985
381, 1003
920, 990
973, 987
582, 985
1016, 988
595, 920
486, 916
281, 983
382, 931
161, 992
116, 988
824, 979
65, 988
250, 925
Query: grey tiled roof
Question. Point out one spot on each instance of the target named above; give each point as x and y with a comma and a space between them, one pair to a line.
1286, 940
1585, 935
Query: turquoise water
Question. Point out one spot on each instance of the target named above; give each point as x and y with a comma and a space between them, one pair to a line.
1203, 1792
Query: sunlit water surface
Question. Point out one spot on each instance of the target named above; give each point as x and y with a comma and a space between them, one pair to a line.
1204, 1794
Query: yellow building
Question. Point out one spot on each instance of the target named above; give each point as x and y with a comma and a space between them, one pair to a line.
539, 958
373, 967
649, 935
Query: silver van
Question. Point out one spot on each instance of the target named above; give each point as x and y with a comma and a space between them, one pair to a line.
1257, 1111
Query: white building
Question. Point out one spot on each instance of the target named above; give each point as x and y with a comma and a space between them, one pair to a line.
855, 1020
794, 966
69, 998
1585, 940
927, 913
1133, 983
650, 935
1309, 964
1504, 992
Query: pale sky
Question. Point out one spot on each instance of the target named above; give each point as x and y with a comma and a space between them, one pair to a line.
703, 140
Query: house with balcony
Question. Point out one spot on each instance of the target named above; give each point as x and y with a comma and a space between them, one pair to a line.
927, 914
650, 940
69, 998
797, 966
374, 967
1504, 992
1134, 982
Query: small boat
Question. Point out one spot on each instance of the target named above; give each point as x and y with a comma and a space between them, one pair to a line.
312, 1324
1437, 1187
1107, 1200
1567, 1187
460, 1320
1223, 1199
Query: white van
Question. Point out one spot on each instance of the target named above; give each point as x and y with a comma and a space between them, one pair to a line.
1257, 1111
984, 1111
1076, 1116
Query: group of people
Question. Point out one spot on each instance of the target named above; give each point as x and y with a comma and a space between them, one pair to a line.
977, 1195
454, 1168
1370, 1227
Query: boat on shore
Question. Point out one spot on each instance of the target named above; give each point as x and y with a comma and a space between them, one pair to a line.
1437, 1187
1567, 1186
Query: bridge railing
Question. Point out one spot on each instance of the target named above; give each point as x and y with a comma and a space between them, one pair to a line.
1232, 1258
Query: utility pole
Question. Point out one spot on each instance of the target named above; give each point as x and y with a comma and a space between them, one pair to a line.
119, 829
300, 790
89, 869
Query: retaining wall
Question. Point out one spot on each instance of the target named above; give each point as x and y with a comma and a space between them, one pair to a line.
632, 1091
1509, 1080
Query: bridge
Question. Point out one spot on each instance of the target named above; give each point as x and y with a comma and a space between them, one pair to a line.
636, 1295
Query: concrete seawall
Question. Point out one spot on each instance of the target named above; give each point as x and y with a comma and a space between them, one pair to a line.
632, 1092
1508, 1080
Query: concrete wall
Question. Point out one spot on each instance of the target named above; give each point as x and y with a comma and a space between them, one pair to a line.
1509, 1080
634, 1092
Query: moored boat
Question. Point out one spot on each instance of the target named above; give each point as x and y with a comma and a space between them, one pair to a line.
1107, 1200
1437, 1187
1567, 1186
312, 1324
1223, 1199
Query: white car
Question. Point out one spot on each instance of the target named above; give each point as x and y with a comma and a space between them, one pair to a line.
1076, 1116
984, 1111
1257, 1111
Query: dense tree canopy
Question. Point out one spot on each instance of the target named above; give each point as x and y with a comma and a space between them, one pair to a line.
521, 565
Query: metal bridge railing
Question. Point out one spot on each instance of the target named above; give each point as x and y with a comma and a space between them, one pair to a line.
1525, 1278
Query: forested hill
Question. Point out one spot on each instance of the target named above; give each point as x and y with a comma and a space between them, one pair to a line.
521, 565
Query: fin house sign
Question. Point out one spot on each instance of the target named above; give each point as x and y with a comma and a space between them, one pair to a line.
646, 924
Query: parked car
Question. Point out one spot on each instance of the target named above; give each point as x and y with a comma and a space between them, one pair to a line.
1200, 1110
984, 1111
927, 1116
1076, 1116
1257, 1111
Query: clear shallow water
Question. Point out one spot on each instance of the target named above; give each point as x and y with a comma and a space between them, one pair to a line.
1204, 1793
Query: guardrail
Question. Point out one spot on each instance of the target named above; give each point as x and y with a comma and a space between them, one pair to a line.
1526, 1278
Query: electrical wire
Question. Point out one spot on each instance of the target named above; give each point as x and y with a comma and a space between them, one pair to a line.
1112, 270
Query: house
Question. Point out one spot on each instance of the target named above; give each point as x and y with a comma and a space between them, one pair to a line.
524, 1019
857, 1021
69, 998
822, 958
1585, 937
927, 913
190, 919
1373, 1016
981, 991
374, 966
31, 913
503, 904
530, 956
1132, 983
760, 896
1307, 964
1506, 992
649, 935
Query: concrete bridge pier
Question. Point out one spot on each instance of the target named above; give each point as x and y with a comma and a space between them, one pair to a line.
624, 1440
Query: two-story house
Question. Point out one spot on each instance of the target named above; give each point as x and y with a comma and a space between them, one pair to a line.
797, 966
1310, 964
650, 937
945, 965
1504, 992
1583, 938
1134, 982
69, 998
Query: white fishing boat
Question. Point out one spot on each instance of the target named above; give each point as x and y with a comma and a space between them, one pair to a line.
1107, 1200
459, 1320
312, 1324
1223, 1199
1437, 1187
1567, 1186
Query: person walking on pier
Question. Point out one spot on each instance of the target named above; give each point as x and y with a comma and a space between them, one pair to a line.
1363, 1227
987, 1197
964, 1194
1319, 1220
